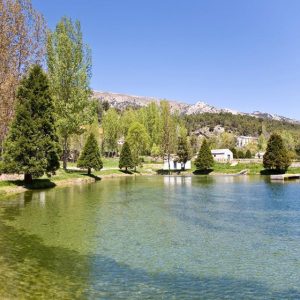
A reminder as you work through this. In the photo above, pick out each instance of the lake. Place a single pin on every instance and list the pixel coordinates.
(155, 237)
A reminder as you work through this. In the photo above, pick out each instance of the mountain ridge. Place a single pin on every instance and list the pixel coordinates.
(122, 101)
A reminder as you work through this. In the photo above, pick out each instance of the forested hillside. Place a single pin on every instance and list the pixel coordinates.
(239, 124)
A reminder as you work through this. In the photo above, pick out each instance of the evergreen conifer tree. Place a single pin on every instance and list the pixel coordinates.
(204, 159)
(234, 152)
(240, 154)
(276, 157)
(183, 152)
(31, 147)
(248, 154)
(90, 156)
(126, 160)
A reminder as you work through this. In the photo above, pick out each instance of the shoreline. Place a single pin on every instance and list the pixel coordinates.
(11, 190)
(7, 191)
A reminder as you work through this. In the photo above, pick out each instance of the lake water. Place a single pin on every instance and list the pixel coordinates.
(153, 238)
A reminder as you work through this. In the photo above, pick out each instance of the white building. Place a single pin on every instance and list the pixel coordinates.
(242, 141)
(176, 166)
(222, 154)
(260, 155)
(121, 141)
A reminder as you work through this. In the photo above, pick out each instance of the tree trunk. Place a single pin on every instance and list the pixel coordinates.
(2, 148)
(126, 169)
(169, 166)
(27, 178)
(65, 153)
(183, 166)
(89, 171)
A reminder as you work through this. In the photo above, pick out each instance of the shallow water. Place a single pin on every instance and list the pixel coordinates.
(153, 238)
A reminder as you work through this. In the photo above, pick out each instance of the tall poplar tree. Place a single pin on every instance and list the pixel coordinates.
(69, 67)
(168, 134)
(138, 140)
(31, 147)
(111, 130)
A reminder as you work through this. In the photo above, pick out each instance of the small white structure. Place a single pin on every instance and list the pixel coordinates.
(259, 155)
(176, 166)
(242, 141)
(121, 141)
(222, 154)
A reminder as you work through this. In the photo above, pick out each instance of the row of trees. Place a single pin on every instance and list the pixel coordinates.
(49, 111)
(240, 153)
(154, 119)
(276, 158)
(32, 145)
(41, 113)
(153, 129)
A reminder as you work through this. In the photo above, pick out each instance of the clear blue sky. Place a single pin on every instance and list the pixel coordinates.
(239, 54)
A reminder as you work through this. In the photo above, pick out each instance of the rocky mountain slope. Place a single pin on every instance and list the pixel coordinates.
(123, 101)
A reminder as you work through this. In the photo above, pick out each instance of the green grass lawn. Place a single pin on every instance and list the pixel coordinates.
(253, 168)
(6, 183)
(108, 162)
(293, 171)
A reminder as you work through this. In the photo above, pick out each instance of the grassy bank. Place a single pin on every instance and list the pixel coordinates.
(253, 169)
(221, 168)
(64, 178)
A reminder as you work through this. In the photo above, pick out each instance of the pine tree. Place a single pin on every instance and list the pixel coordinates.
(183, 152)
(234, 152)
(248, 154)
(111, 129)
(240, 154)
(31, 147)
(276, 157)
(90, 156)
(126, 160)
(204, 159)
